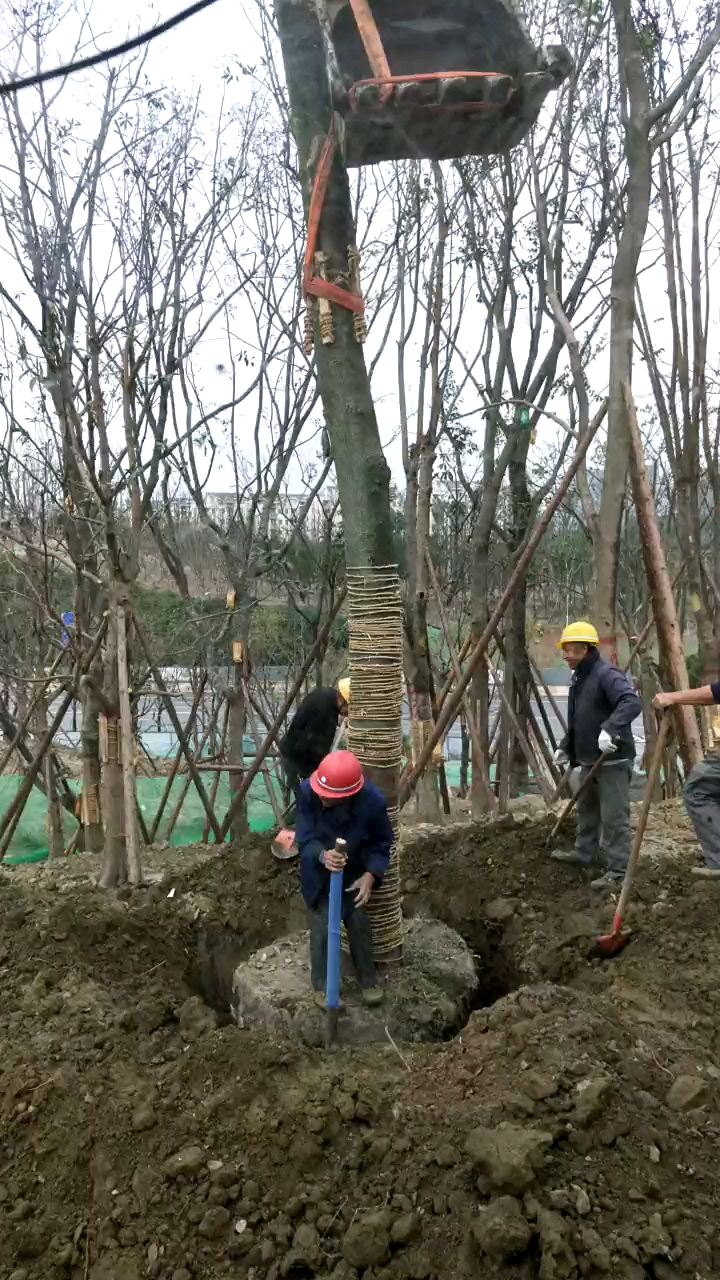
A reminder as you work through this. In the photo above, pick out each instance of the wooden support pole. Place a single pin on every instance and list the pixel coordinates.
(480, 648)
(178, 757)
(279, 720)
(132, 843)
(478, 754)
(175, 721)
(666, 619)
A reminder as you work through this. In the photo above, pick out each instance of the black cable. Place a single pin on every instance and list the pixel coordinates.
(104, 55)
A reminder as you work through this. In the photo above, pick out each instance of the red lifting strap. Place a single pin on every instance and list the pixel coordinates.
(313, 285)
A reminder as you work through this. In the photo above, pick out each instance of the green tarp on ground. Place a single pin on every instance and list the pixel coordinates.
(30, 841)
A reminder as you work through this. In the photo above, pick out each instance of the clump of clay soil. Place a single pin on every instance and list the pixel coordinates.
(570, 1129)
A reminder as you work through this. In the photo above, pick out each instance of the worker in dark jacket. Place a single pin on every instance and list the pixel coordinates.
(337, 801)
(602, 705)
(702, 789)
(311, 735)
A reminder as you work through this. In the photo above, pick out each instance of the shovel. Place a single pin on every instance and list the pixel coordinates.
(332, 981)
(606, 755)
(609, 944)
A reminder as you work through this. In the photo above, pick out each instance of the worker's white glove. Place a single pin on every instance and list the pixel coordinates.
(561, 757)
(605, 742)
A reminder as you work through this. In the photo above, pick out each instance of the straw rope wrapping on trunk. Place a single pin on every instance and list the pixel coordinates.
(375, 728)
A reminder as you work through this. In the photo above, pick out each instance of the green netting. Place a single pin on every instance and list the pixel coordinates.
(30, 841)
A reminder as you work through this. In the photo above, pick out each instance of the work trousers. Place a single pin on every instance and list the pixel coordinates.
(357, 925)
(603, 818)
(702, 801)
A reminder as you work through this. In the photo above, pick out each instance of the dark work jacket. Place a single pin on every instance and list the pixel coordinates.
(600, 697)
(362, 821)
(312, 731)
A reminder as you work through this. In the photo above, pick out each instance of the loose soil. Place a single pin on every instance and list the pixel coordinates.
(571, 1128)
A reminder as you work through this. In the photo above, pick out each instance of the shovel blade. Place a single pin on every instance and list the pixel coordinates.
(610, 944)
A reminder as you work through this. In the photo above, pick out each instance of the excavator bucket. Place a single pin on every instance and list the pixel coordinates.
(437, 79)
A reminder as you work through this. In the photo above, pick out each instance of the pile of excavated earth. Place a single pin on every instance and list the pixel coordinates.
(569, 1129)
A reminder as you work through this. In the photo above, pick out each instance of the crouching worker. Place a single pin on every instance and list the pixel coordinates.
(337, 801)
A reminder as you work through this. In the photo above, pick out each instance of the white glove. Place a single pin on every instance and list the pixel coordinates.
(561, 757)
(605, 742)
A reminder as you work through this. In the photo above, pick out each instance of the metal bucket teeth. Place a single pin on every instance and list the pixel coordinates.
(368, 97)
(453, 90)
(409, 93)
(495, 89)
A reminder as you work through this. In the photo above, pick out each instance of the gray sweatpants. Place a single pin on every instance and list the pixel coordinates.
(702, 801)
(603, 817)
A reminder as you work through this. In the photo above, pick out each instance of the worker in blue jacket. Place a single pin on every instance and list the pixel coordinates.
(602, 705)
(338, 801)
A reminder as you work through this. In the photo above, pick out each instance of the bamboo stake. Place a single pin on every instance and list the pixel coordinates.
(178, 757)
(175, 721)
(132, 844)
(280, 717)
(525, 747)
(550, 697)
(666, 619)
(266, 775)
(535, 693)
(14, 811)
(216, 779)
(187, 777)
(480, 648)
(649, 624)
(478, 752)
(20, 730)
(532, 721)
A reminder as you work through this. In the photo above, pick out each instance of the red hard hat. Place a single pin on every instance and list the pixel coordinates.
(338, 776)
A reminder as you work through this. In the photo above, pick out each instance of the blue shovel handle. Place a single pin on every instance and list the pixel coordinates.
(332, 978)
(332, 984)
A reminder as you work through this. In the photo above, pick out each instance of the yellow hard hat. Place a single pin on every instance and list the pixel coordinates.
(344, 689)
(579, 633)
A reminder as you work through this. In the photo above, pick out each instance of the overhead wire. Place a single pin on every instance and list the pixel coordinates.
(104, 55)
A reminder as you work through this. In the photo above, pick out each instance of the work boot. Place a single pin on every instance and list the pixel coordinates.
(570, 859)
(706, 873)
(606, 881)
(373, 996)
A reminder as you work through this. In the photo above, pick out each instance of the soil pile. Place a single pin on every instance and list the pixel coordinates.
(570, 1130)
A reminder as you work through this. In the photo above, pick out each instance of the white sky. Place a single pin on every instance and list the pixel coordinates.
(193, 55)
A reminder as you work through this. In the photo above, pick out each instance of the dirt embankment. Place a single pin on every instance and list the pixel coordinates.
(570, 1130)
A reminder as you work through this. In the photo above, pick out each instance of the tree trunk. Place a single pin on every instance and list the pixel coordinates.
(634, 87)
(363, 476)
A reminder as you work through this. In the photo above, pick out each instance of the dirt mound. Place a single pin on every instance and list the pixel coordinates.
(570, 1130)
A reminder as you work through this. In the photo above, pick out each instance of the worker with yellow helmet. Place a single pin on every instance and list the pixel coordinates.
(602, 705)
